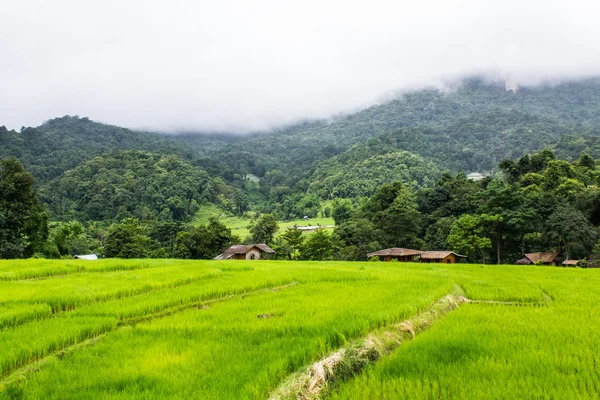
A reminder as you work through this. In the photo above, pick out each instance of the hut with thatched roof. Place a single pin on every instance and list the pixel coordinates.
(544, 258)
(396, 253)
(245, 252)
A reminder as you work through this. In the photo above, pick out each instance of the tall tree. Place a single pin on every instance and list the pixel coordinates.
(293, 237)
(319, 246)
(394, 213)
(499, 208)
(571, 232)
(467, 236)
(204, 242)
(23, 220)
(264, 229)
(127, 239)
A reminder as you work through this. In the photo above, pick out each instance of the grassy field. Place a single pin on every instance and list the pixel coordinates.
(228, 329)
(239, 225)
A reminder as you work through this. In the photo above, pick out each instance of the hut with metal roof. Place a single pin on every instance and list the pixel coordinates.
(396, 253)
(245, 252)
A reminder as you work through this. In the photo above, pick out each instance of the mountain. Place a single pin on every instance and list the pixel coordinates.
(63, 143)
(471, 127)
(131, 183)
(413, 138)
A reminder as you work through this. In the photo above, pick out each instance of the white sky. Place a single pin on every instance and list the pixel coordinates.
(231, 65)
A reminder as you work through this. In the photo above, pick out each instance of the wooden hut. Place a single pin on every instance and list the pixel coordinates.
(544, 258)
(446, 257)
(396, 253)
(245, 252)
(572, 263)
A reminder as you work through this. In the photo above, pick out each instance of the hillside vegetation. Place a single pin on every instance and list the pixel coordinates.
(400, 163)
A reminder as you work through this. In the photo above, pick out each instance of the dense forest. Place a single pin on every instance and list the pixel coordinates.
(400, 163)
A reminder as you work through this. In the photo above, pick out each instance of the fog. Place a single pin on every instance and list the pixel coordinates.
(240, 66)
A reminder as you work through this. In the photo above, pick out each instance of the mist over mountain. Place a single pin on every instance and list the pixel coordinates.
(238, 67)
(413, 138)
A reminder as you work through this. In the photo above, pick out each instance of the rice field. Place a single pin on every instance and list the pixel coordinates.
(240, 329)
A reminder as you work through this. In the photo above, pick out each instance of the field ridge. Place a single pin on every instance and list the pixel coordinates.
(346, 362)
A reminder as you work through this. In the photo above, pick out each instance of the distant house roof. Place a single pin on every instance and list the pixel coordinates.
(438, 255)
(571, 262)
(86, 257)
(395, 252)
(243, 249)
(546, 257)
(476, 176)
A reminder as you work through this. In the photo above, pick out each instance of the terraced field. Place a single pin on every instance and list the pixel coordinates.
(236, 330)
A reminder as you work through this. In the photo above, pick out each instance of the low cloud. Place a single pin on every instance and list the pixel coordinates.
(243, 66)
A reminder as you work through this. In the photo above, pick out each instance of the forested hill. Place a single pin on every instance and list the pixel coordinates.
(137, 184)
(471, 127)
(413, 139)
(63, 143)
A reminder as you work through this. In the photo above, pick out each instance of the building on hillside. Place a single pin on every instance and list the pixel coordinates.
(396, 253)
(476, 176)
(86, 257)
(572, 263)
(544, 258)
(245, 252)
(446, 257)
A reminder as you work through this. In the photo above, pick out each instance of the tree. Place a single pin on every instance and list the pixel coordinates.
(357, 237)
(23, 220)
(264, 229)
(394, 214)
(436, 236)
(571, 232)
(293, 237)
(69, 238)
(499, 208)
(342, 210)
(467, 237)
(127, 239)
(318, 246)
(204, 242)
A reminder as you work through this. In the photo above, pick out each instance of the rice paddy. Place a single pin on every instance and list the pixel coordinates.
(239, 330)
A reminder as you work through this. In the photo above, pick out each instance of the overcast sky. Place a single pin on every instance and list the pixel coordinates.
(245, 65)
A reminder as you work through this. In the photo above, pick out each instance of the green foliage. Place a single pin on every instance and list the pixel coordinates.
(571, 232)
(62, 144)
(294, 239)
(69, 239)
(23, 220)
(127, 239)
(318, 246)
(204, 242)
(264, 229)
(467, 237)
(130, 184)
(342, 210)
(394, 214)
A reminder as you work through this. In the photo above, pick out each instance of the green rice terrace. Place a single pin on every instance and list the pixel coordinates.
(274, 330)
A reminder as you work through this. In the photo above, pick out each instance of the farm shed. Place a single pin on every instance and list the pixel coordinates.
(544, 257)
(571, 263)
(396, 253)
(245, 252)
(446, 257)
